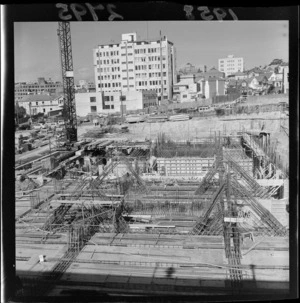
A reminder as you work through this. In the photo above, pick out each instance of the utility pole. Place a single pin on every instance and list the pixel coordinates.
(121, 97)
(282, 82)
(161, 73)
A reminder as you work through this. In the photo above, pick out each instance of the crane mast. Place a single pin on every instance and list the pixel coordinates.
(69, 109)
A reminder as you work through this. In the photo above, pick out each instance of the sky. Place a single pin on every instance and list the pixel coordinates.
(36, 47)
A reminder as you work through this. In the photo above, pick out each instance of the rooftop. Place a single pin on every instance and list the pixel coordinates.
(32, 98)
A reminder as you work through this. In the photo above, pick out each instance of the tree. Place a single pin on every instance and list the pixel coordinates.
(276, 62)
(271, 89)
(20, 111)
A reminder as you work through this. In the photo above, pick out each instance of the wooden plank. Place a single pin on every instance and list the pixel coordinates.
(85, 202)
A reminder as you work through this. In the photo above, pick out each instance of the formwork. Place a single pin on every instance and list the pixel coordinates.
(133, 225)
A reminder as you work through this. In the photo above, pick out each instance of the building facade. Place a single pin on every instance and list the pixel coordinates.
(42, 86)
(35, 104)
(231, 65)
(285, 76)
(133, 65)
(114, 102)
(186, 89)
(211, 87)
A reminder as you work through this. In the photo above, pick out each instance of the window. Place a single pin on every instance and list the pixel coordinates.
(92, 99)
(106, 98)
(111, 98)
(122, 98)
(37, 103)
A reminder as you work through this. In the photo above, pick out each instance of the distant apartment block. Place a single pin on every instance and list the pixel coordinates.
(114, 102)
(42, 86)
(231, 65)
(133, 65)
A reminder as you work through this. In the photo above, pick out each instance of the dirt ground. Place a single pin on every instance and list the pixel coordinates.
(201, 127)
(196, 127)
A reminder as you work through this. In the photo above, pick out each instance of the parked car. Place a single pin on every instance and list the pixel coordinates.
(204, 109)
(24, 126)
(52, 125)
(37, 126)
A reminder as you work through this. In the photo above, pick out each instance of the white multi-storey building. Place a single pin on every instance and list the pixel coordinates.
(135, 65)
(231, 65)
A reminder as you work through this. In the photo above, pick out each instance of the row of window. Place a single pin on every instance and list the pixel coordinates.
(157, 74)
(108, 98)
(129, 54)
(150, 66)
(156, 66)
(39, 103)
(112, 61)
(35, 90)
(239, 64)
(107, 77)
(140, 59)
(157, 82)
(108, 69)
(108, 106)
(107, 85)
(107, 54)
(156, 58)
(47, 86)
(140, 51)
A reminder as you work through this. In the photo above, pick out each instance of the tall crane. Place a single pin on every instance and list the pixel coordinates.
(69, 109)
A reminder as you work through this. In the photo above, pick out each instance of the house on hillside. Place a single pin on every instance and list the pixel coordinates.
(239, 75)
(230, 84)
(276, 79)
(254, 72)
(211, 87)
(186, 89)
(253, 85)
(213, 72)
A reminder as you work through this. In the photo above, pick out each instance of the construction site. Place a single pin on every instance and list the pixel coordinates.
(149, 212)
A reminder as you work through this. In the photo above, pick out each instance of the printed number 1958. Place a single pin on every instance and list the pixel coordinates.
(206, 14)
